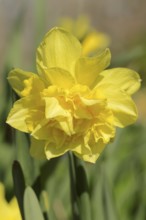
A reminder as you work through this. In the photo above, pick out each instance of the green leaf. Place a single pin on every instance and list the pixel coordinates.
(32, 208)
(30, 166)
(109, 201)
(19, 185)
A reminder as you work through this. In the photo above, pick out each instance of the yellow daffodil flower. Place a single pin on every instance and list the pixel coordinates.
(73, 103)
(92, 40)
(8, 210)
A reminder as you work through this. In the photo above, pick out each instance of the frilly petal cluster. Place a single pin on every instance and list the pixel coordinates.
(73, 103)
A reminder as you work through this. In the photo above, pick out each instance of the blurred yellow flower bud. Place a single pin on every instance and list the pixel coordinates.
(8, 210)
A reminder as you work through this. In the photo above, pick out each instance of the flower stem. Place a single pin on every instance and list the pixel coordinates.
(75, 212)
(79, 189)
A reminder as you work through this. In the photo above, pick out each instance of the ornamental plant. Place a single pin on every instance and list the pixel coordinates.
(72, 104)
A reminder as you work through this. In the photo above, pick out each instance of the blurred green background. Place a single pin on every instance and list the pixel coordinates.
(118, 179)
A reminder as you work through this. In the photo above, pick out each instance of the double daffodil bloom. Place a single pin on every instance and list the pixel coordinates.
(92, 40)
(72, 104)
(8, 210)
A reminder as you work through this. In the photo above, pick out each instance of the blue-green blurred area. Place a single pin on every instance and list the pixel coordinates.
(117, 182)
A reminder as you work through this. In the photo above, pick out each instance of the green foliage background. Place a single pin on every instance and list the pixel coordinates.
(117, 182)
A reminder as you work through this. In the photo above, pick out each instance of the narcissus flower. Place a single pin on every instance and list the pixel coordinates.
(8, 210)
(91, 39)
(72, 104)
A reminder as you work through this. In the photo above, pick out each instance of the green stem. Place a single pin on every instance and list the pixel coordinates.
(79, 189)
(82, 190)
(75, 212)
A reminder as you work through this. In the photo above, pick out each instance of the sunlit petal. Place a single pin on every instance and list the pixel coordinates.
(17, 116)
(88, 68)
(59, 77)
(16, 79)
(124, 79)
(59, 49)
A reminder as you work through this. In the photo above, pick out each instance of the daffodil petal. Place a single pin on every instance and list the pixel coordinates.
(122, 106)
(52, 150)
(16, 79)
(81, 149)
(26, 113)
(31, 85)
(95, 152)
(59, 77)
(124, 110)
(87, 109)
(54, 109)
(63, 118)
(105, 131)
(123, 78)
(58, 49)
(17, 116)
(41, 131)
(37, 148)
(88, 68)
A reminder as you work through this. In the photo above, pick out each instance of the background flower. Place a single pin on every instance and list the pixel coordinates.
(91, 39)
(8, 210)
